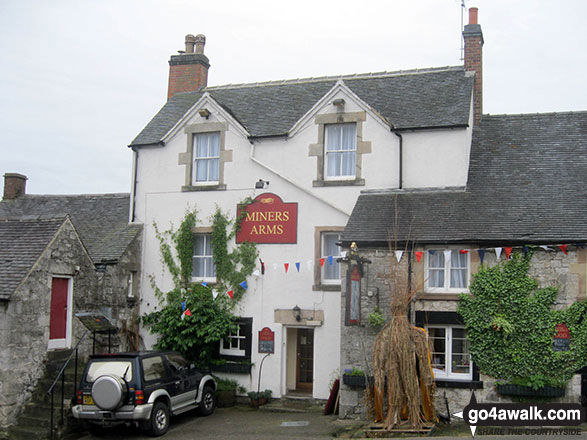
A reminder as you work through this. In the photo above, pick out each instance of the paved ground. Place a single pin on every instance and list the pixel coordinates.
(243, 422)
(240, 422)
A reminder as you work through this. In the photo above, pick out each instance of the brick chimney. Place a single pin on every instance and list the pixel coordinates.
(188, 71)
(14, 186)
(474, 60)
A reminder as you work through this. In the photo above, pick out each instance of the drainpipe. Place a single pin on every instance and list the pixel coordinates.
(290, 181)
(401, 157)
(133, 189)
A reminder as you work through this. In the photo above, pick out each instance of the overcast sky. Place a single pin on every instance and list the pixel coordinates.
(79, 79)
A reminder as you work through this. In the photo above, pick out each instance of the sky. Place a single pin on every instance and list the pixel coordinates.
(79, 79)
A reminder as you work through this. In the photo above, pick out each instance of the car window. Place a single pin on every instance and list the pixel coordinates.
(177, 362)
(153, 368)
(101, 367)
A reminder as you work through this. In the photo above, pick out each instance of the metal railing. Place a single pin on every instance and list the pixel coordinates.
(61, 376)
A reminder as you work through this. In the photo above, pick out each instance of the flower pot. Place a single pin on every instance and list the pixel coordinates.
(255, 403)
(225, 398)
(262, 401)
(524, 391)
(354, 381)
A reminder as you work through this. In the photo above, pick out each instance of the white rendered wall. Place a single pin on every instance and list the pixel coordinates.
(159, 199)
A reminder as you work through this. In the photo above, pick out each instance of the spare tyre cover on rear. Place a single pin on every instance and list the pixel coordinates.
(109, 392)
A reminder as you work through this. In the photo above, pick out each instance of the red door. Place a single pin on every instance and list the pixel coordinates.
(58, 323)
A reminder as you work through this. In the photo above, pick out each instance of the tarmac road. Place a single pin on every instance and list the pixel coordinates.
(239, 422)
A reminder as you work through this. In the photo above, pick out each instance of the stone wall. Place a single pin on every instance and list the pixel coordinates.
(549, 268)
(24, 319)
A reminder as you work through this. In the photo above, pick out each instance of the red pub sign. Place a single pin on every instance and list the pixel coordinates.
(269, 220)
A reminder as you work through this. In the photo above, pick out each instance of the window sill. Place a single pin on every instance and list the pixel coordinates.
(350, 182)
(212, 187)
(326, 287)
(426, 296)
(462, 384)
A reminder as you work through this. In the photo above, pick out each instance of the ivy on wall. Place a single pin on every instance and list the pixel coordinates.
(511, 324)
(211, 319)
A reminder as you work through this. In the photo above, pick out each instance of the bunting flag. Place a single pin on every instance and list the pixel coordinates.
(481, 253)
(330, 260)
(463, 251)
(244, 285)
(298, 266)
(563, 247)
(274, 266)
(262, 266)
(231, 294)
(525, 249)
(431, 251)
(498, 252)
(286, 265)
(398, 255)
(322, 262)
(508, 251)
(546, 248)
(214, 293)
(447, 255)
(205, 284)
(187, 312)
(310, 264)
(256, 273)
(183, 305)
(418, 255)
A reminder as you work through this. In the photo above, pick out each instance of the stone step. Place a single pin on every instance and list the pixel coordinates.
(28, 433)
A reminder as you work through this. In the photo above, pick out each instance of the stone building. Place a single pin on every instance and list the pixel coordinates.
(60, 256)
(525, 186)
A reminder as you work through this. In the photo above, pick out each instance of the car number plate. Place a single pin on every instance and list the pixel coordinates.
(88, 400)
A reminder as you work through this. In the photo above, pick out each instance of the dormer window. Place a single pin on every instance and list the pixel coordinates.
(340, 151)
(206, 158)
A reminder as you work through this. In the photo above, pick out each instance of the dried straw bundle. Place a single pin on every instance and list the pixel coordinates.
(401, 355)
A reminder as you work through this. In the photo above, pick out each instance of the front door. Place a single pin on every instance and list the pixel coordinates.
(59, 321)
(305, 359)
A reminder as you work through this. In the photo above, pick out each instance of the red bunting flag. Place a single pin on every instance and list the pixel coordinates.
(187, 312)
(231, 294)
(463, 251)
(418, 255)
(286, 265)
(563, 247)
(508, 251)
(322, 262)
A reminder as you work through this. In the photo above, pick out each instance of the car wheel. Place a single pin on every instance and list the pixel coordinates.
(208, 403)
(159, 419)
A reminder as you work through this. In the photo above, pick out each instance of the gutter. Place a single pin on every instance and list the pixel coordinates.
(292, 182)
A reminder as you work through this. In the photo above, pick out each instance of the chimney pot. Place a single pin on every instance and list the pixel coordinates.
(14, 186)
(473, 15)
(189, 43)
(200, 43)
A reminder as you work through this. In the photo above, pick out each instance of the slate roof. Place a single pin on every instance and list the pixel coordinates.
(101, 220)
(527, 183)
(22, 241)
(408, 99)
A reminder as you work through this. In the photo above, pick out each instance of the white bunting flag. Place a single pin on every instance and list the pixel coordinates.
(398, 255)
(498, 252)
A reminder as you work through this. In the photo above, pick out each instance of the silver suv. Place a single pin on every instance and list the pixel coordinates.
(141, 388)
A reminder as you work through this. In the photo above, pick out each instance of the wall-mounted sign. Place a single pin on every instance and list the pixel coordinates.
(562, 338)
(353, 297)
(266, 340)
(269, 220)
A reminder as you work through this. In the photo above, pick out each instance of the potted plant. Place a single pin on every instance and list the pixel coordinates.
(254, 396)
(226, 392)
(354, 378)
(267, 395)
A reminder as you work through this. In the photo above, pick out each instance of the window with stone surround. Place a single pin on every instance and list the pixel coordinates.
(205, 156)
(327, 275)
(339, 149)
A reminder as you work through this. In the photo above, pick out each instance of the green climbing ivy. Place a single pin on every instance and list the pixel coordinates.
(232, 267)
(511, 323)
(197, 336)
